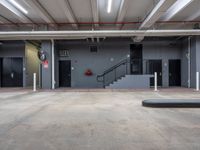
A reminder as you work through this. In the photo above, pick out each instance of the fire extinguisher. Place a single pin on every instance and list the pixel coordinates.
(88, 72)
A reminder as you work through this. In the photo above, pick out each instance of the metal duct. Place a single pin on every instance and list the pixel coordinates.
(48, 35)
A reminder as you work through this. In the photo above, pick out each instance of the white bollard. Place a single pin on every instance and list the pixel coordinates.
(34, 82)
(155, 82)
(197, 81)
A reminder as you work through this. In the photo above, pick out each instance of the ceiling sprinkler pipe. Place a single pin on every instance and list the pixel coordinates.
(100, 23)
(46, 35)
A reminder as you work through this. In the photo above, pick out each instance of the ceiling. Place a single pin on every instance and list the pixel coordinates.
(93, 15)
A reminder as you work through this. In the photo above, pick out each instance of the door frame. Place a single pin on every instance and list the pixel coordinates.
(169, 71)
(161, 62)
(59, 73)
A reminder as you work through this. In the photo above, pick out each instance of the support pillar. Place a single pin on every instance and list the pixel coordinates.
(46, 70)
(195, 61)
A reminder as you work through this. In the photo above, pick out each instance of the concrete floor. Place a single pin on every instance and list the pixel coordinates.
(96, 120)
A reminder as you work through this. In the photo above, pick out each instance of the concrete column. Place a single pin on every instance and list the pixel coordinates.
(46, 72)
(195, 61)
(198, 54)
(165, 73)
(53, 65)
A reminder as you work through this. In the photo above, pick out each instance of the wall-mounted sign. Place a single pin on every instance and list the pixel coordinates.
(45, 64)
(64, 53)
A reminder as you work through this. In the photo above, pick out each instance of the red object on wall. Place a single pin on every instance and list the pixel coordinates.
(46, 64)
(88, 72)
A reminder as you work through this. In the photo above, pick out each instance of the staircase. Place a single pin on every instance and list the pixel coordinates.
(131, 82)
(118, 77)
(114, 73)
(120, 83)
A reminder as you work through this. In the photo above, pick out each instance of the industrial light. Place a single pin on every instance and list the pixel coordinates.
(109, 6)
(18, 6)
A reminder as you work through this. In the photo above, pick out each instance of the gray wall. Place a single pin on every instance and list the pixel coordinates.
(184, 63)
(162, 50)
(193, 61)
(109, 54)
(118, 49)
(14, 49)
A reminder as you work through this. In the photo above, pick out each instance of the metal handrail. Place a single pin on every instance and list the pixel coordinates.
(111, 69)
(144, 70)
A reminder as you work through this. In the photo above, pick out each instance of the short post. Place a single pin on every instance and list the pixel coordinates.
(155, 82)
(34, 82)
(197, 81)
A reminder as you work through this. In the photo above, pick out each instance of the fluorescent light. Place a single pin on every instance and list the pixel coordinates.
(18, 6)
(109, 6)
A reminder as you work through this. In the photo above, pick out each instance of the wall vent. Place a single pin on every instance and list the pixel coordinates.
(93, 49)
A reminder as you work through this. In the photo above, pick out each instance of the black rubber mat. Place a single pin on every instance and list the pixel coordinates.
(172, 103)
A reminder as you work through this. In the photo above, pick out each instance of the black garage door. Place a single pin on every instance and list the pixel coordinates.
(11, 72)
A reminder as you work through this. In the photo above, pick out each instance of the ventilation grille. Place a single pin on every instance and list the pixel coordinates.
(93, 49)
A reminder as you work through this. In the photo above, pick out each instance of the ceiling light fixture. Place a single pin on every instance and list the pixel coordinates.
(18, 6)
(109, 6)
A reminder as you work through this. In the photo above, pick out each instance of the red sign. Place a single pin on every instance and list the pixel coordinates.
(46, 64)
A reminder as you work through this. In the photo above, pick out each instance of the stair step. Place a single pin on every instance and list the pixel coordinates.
(115, 82)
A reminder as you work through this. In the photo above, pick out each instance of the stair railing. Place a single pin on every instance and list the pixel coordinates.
(102, 77)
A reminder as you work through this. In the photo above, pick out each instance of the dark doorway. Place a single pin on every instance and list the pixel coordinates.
(65, 73)
(12, 72)
(155, 66)
(136, 61)
(174, 72)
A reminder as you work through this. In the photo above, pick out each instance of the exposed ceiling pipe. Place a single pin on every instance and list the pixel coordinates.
(101, 23)
(46, 35)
